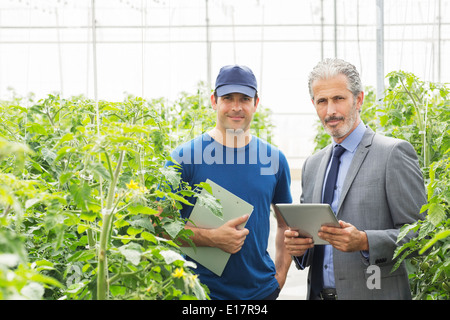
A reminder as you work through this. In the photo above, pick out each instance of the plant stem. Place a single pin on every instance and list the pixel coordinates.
(421, 123)
(91, 239)
(102, 281)
(6, 210)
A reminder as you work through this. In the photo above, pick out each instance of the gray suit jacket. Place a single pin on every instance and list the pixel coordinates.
(383, 190)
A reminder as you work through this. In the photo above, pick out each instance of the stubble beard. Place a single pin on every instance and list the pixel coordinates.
(341, 130)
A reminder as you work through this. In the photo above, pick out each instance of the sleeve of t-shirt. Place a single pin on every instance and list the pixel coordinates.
(283, 187)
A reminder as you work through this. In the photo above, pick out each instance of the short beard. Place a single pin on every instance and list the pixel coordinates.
(347, 126)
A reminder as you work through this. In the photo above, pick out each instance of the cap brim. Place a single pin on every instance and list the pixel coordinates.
(235, 88)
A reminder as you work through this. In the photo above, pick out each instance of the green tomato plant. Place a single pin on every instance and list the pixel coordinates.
(19, 278)
(89, 209)
(92, 221)
(419, 112)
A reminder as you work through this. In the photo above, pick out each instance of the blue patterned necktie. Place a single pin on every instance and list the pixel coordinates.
(330, 184)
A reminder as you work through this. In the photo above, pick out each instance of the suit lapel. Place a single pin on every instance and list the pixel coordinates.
(320, 176)
(358, 159)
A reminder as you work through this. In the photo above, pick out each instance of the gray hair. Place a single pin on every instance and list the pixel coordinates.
(329, 68)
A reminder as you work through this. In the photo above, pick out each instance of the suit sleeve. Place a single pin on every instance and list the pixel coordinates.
(302, 262)
(405, 194)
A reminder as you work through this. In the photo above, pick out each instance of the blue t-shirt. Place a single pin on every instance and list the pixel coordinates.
(257, 173)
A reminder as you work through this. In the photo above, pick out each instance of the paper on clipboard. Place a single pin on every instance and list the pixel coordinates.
(212, 258)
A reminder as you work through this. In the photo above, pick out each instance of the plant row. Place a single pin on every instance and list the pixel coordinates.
(87, 208)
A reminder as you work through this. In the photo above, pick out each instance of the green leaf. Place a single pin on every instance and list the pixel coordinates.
(142, 209)
(117, 290)
(82, 228)
(100, 170)
(383, 120)
(81, 194)
(436, 213)
(88, 216)
(399, 261)
(149, 237)
(65, 138)
(132, 231)
(210, 202)
(130, 254)
(31, 202)
(206, 186)
(172, 176)
(36, 128)
(171, 256)
(179, 198)
(404, 230)
(48, 155)
(143, 223)
(65, 177)
(63, 151)
(393, 81)
(47, 280)
(44, 263)
(120, 223)
(173, 228)
(426, 228)
(82, 255)
(439, 236)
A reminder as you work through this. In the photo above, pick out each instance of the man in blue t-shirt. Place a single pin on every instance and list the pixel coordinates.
(253, 170)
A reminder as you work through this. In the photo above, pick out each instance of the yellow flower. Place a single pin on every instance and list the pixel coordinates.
(179, 273)
(132, 185)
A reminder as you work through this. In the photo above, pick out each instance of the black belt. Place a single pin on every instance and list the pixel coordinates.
(328, 294)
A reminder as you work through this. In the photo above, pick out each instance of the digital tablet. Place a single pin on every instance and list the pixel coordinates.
(307, 218)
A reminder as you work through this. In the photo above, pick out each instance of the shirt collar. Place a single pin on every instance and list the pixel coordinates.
(352, 141)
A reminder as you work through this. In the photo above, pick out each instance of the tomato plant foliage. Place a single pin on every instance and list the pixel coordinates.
(88, 210)
(419, 112)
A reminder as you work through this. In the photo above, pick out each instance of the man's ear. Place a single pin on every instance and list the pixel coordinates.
(213, 102)
(359, 101)
(256, 103)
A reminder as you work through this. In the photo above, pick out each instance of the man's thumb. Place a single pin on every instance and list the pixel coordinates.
(238, 221)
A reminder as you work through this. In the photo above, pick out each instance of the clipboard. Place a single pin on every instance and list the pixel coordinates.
(307, 218)
(212, 258)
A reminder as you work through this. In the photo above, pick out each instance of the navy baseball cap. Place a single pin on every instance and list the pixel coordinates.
(236, 78)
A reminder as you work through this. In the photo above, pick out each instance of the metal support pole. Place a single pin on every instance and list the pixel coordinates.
(380, 50)
(143, 36)
(335, 29)
(58, 35)
(262, 47)
(322, 20)
(94, 56)
(208, 49)
(439, 41)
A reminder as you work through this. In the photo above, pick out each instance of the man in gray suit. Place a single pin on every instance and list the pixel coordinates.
(379, 188)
